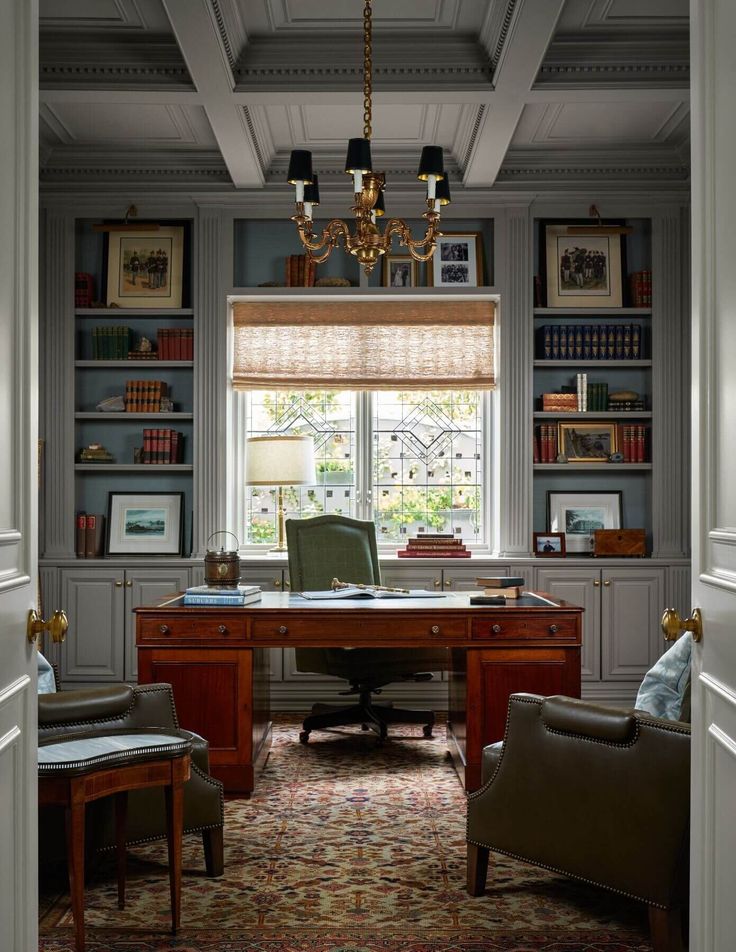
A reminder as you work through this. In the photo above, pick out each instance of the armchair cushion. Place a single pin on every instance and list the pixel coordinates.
(665, 690)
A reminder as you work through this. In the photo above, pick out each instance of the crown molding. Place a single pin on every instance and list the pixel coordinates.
(231, 29)
(148, 169)
(101, 61)
(614, 166)
(496, 28)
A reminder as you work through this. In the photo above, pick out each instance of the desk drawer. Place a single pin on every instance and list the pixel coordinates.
(372, 630)
(514, 629)
(163, 630)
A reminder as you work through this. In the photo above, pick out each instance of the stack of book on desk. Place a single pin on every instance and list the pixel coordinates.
(501, 586)
(434, 545)
(227, 597)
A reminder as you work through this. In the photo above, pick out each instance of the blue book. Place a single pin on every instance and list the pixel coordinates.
(226, 601)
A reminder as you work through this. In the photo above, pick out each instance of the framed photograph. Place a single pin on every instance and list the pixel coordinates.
(144, 269)
(399, 271)
(582, 270)
(457, 261)
(587, 442)
(549, 544)
(579, 514)
(145, 523)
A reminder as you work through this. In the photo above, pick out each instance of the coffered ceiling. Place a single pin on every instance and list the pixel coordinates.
(215, 93)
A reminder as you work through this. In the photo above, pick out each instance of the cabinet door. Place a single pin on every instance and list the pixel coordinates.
(581, 586)
(145, 587)
(425, 577)
(94, 601)
(632, 602)
(463, 578)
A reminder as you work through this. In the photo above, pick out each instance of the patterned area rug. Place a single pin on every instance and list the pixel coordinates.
(346, 847)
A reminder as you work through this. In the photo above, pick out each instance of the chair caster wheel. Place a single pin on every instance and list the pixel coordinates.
(427, 730)
(303, 737)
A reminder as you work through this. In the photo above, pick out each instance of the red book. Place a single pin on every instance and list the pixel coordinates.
(535, 446)
(90, 537)
(146, 445)
(640, 443)
(81, 531)
(166, 446)
(190, 344)
(174, 454)
(413, 554)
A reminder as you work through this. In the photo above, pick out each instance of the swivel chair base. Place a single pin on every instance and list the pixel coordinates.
(371, 716)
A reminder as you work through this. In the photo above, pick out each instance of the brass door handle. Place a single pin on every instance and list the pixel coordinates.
(672, 624)
(57, 626)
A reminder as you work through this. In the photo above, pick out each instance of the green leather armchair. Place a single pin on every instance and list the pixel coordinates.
(120, 706)
(333, 546)
(596, 793)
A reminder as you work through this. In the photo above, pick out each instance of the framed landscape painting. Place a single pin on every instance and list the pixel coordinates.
(144, 269)
(582, 270)
(457, 261)
(587, 442)
(579, 514)
(145, 523)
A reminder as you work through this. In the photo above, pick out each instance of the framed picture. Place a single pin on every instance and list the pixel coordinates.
(582, 270)
(145, 523)
(587, 442)
(399, 271)
(457, 261)
(144, 269)
(549, 544)
(579, 514)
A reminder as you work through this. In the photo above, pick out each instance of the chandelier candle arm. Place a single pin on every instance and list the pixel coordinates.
(367, 244)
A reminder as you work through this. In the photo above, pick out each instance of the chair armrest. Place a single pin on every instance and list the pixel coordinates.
(153, 706)
(73, 707)
(570, 716)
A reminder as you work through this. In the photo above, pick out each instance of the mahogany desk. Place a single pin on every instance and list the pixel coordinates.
(215, 658)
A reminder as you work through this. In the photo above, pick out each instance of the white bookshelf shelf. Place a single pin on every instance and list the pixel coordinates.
(594, 415)
(609, 364)
(99, 415)
(132, 467)
(595, 467)
(137, 364)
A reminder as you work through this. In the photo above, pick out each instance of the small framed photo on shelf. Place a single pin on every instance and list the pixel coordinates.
(582, 270)
(457, 261)
(399, 271)
(587, 442)
(549, 544)
(144, 269)
(145, 523)
(579, 514)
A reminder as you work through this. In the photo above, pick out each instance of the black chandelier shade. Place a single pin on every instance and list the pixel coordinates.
(432, 162)
(442, 193)
(358, 158)
(311, 192)
(300, 167)
(380, 207)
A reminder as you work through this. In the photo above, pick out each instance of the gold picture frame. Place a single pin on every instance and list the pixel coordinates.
(144, 268)
(401, 269)
(457, 261)
(587, 442)
(582, 270)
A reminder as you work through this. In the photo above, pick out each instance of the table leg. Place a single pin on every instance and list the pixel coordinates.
(173, 794)
(75, 859)
(121, 817)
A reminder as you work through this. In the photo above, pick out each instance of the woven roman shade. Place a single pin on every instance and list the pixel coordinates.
(363, 345)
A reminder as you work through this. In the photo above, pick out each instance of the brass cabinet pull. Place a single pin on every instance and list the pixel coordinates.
(607, 582)
(223, 629)
(448, 583)
(553, 629)
(435, 629)
(672, 624)
(129, 584)
(596, 583)
(118, 584)
(283, 630)
(277, 583)
(436, 583)
(164, 629)
(496, 629)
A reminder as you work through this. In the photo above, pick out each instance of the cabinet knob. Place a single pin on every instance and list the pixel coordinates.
(596, 583)
(436, 583)
(164, 629)
(277, 583)
(287, 583)
(283, 630)
(553, 629)
(496, 629)
(435, 629)
(607, 582)
(223, 629)
(448, 583)
(129, 584)
(118, 584)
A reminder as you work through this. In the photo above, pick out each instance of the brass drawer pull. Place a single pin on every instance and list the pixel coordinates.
(277, 583)
(283, 630)
(435, 629)
(553, 629)
(223, 629)
(496, 629)
(164, 629)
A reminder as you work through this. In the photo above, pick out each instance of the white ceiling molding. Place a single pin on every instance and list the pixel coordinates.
(91, 14)
(563, 125)
(634, 14)
(495, 29)
(134, 125)
(331, 15)
(603, 60)
(232, 31)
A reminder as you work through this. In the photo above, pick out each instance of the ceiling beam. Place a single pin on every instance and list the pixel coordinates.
(529, 36)
(200, 41)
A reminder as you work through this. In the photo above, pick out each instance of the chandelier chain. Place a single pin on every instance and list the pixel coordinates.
(367, 69)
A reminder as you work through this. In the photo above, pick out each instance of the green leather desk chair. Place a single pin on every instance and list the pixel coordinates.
(328, 547)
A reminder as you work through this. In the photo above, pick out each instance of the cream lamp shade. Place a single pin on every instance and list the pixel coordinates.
(279, 461)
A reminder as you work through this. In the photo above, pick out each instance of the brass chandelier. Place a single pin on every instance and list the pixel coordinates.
(367, 244)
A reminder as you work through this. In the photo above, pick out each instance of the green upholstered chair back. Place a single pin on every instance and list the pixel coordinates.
(328, 547)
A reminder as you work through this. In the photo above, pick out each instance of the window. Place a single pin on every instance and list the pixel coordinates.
(410, 460)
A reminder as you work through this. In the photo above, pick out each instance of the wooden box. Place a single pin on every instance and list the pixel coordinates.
(620, 542)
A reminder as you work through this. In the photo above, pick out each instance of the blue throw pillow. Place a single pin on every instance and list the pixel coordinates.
(665, 690)
(46, 680)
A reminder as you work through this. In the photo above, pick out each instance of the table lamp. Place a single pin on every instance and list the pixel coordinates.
(280, 461)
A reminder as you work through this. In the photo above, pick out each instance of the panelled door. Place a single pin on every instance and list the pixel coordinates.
(18, 472)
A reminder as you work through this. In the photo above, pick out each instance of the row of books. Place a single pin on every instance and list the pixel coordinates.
(633, 442)
(162, 446)
(111, 342)
(175, 343)
(640, 286)
(596, 400)
(300, 271)
(501, 586)
(590, 342)
(144, 396)
(434, 545)
(90, 535)
(234, 597)
(632, 439)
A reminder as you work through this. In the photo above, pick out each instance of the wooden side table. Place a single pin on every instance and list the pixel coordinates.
(83, 767)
